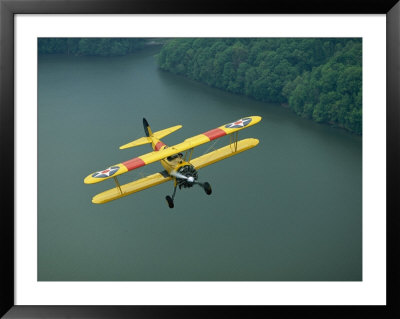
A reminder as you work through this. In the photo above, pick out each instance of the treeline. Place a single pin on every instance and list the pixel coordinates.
(318, 78)
(90, 46)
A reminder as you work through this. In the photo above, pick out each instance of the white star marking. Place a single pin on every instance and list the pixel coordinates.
(239, 122)
(106, 172)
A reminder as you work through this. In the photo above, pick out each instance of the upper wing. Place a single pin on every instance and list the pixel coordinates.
(189, 143)
(228, 128)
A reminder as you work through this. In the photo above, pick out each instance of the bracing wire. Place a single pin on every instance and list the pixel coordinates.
(211, 147)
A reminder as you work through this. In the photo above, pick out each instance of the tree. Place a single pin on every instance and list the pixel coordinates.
(319, 78)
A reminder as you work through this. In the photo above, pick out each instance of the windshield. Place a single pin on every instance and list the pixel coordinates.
(172, 157)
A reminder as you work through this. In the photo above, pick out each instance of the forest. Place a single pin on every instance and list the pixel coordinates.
(90, 46)
(318, 78)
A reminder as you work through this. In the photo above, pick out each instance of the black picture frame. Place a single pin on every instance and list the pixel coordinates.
(8, 8)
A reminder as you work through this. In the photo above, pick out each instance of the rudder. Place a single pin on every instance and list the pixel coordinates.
(147, 129)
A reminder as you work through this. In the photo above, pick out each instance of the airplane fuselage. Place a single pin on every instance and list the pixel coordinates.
(171, 163)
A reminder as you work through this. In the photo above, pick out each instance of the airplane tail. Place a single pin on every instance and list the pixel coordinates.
(150, 136)
(147, 129)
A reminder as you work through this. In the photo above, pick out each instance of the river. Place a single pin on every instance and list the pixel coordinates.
(288, 210)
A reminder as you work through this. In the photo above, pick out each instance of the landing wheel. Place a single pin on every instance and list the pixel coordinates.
(170, 201)
(207, 188)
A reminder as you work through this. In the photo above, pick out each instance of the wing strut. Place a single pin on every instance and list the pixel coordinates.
(233, 139)
(117, 183)
(190, 154)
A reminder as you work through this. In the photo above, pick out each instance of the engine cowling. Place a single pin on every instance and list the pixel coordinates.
(191, 175)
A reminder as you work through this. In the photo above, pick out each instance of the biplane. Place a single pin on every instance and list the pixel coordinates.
(179, 167)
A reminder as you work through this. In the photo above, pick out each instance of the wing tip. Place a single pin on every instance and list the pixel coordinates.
(256, 118)
(88, 179)
(96, 201)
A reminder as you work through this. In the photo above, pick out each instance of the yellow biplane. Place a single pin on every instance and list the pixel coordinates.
(182, 169)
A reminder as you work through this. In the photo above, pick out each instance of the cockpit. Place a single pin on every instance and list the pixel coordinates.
(174, 157)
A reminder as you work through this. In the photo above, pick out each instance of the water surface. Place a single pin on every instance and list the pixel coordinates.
(287, 210)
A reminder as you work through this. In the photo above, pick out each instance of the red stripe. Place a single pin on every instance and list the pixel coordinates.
(134, 163)
(215, 133)
(159, 145)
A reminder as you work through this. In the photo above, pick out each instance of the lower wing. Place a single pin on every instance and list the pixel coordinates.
(162, 177)
(224, 152)
(132, 187)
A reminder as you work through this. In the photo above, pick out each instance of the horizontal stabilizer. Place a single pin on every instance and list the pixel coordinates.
(167, 131)
(147, 140)
(140, 141)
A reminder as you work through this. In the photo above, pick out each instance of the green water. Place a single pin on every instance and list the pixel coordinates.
(288, 210)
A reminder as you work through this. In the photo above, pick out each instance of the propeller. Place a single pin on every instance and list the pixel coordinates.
(190, 179)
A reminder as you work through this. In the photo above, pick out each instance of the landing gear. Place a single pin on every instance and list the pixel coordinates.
(190, 182)
(170, 201)
(207, 188)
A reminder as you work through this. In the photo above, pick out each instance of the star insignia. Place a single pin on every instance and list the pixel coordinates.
(239, 123)
(106, 173)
